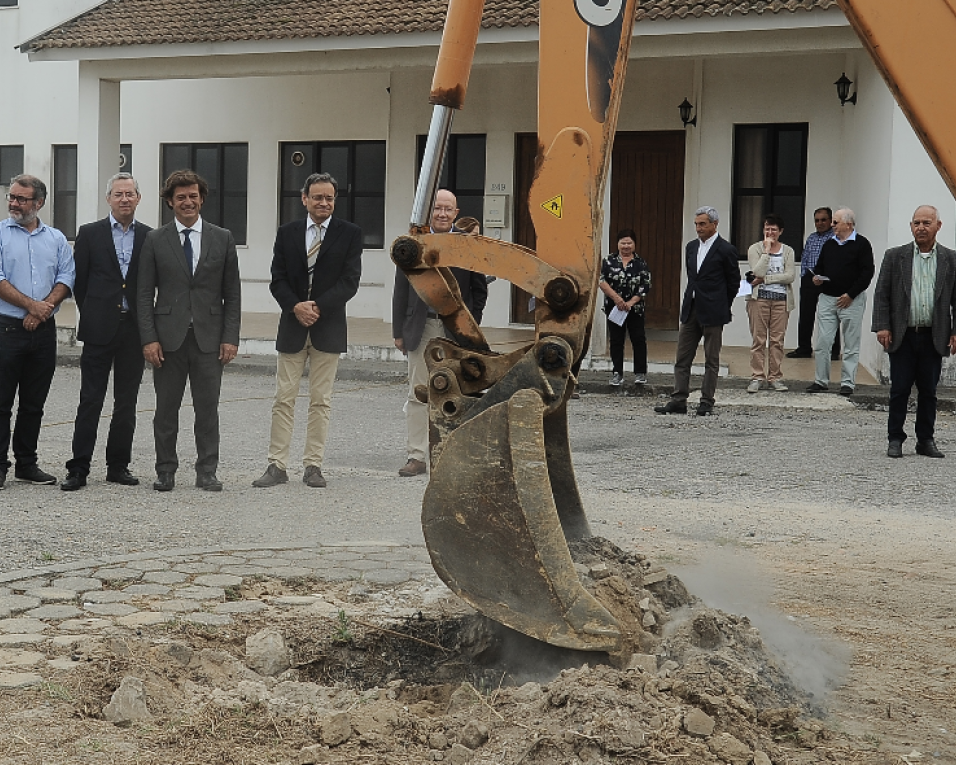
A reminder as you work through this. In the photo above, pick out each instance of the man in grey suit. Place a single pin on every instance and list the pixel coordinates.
(188, 298)
(913, 311)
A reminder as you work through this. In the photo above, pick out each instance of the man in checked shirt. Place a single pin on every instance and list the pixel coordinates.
(809, 292)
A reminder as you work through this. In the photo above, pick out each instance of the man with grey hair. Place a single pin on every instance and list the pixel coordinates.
(316, 266)
(713, 280)
(843, 273)
(107, 261)
(36, 275)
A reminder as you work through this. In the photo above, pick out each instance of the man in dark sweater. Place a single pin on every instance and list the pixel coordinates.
(843, 272)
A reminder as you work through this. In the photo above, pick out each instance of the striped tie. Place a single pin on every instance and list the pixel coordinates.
(313, 253)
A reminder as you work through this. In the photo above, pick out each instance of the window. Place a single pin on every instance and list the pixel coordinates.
(225, 167)
(770, 175)
(359, 170)
(463, 173)
(8, 4)
(64, 190)
(11, 163)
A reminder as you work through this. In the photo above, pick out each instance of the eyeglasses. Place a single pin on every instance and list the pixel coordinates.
(18, 199)
(444, 209)
(124, 194)
(322, 198)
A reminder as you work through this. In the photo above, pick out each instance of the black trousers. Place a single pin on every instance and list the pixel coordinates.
(124, 355)
(634, 327)
(27, 364)
(809, 295)
(916, 361)
(204, 373)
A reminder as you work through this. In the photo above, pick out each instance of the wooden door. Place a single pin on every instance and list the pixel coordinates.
(647, 194)
(526, 149)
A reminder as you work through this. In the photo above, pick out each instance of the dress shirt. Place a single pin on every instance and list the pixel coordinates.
(195, 238)
(811, 250)
(924, 287)
(850, 238)
(34, 262)
(704, 249)
(312, 230)
(123, 242)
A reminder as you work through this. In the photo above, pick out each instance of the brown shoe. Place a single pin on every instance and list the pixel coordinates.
(272, 477)
(413, 468)
(313, 477)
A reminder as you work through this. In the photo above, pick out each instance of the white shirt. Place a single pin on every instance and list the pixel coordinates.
(195, 238)
(312, 230)
(703, 250)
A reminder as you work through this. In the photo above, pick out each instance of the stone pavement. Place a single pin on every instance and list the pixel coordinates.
(45, 612)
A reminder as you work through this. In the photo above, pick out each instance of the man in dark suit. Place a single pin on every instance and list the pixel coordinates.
(913, 313)
(713, 280)
(414, 324)
(189, 311)
(316, 266)
(107, 259)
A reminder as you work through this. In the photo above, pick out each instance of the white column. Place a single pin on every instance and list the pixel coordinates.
(98, 142)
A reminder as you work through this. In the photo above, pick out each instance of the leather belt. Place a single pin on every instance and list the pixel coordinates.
(919, 329)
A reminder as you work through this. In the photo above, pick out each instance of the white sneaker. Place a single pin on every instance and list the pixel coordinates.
(754, 386)
(779, 386)
(640, 379)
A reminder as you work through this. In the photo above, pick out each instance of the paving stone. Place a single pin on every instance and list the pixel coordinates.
(306, 552)
(4, 591)
(207, 619)
(119, 574)
(110, 609)
(197, 568)
(176, 606)
(105, 596)
(156, 564)
(69, 641)
(22, 625)
(387, 576)
(17, 604)
(289, 572)
(201, 593)
(244, 570)
(15, 657)
(90, 624)
(270, 562)
(11, 680)
(54, 612)
(218, 580)
(145, 619)
(224, 560)
(29, 584)
(295, 600)
(343, 556)
(78, 583)
(369, 565)
(164, 577)
(64, 663)
(18, 640)
(240, 607)
(52, 594)
(147, 589)
(4, 612)
(340, 574)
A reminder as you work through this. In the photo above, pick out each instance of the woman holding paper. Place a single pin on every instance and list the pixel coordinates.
(769, 307)
(625, 282)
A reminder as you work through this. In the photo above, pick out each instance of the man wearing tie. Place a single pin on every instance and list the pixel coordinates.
(316, 266)
(189, 311)
(107, 259)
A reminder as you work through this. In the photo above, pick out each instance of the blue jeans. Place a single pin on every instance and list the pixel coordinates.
(915, 361)
(27, 364)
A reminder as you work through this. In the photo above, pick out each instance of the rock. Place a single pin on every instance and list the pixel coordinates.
(649, 620)
(474, 734)
(465, 697)
(438, 741)
(15, 657)
(698, 723)
(459, 755)
(599, 571)
(624, 736)
(267, 653)
(309, 755)
(336, 728)
(644, 661)
(707, 633)
(12, 680)
(16, 604)
(728, 749)
(645, 604)
(760, 758)
(128, 703)
(55, 613)
(653, 577)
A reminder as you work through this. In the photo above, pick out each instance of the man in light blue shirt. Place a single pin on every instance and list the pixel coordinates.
(36, 275)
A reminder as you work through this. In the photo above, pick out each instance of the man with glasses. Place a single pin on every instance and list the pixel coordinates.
(414, 324)
(107, 260)
(36, 275)
(316, 266)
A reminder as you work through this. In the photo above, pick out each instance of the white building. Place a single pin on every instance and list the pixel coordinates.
(256, 95)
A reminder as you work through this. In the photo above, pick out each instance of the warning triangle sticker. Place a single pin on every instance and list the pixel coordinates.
(555, 206)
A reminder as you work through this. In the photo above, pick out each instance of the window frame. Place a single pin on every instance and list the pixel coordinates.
(64, 199)
(471, 200)
(5, 172)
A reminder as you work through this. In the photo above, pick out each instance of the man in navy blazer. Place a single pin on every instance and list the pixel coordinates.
(713, 280)
(107, 260)
(316, 266)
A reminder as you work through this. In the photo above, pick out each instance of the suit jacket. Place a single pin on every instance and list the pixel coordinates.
(337, 272)
(891, 301)
(711, 291)
(100, 286)
(169, 297)
(409, 311)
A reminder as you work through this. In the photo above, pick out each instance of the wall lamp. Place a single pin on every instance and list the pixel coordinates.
(843, 90)
(685, 110)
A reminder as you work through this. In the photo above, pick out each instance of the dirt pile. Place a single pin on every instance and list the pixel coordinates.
(376, 676)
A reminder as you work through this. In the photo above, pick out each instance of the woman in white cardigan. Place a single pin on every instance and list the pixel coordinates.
(769, 307)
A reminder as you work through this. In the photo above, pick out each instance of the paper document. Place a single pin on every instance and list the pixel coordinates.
(745, 289)
(821, 277)
(618, 316)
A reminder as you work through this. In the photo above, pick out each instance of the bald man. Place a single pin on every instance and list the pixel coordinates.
(913, 312)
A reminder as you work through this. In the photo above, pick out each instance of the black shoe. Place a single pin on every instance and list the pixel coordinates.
(671, 407)
(164, 482)
(800, 353)
(817, 388)
(33, 474)
(704, 409)
(3, 478)
(928, 449)
(208, 482)
(895, 449)
(73, 482)
(846, 390)
(121, 476)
